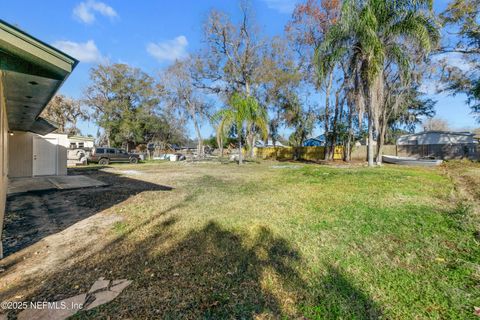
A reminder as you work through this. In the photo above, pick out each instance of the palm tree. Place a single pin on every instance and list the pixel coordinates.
(243, 112)
(370, 34)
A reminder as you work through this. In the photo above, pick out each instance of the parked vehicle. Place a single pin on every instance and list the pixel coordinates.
(105, 155)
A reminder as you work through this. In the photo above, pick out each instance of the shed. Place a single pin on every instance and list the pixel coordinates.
(31, 154)
(437, 137)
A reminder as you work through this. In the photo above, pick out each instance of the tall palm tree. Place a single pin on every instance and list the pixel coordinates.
(243, 112)
(371, 33)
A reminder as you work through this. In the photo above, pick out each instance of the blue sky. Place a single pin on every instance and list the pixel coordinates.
(150, 34)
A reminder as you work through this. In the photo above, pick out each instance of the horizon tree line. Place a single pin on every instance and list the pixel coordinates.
(354, 67)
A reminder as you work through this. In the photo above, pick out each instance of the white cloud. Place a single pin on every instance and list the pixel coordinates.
(85, 11)
(282, 6)
(85, 52)
(169, 50)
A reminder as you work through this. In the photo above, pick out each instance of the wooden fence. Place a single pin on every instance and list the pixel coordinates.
(359, 153)
(298, 153)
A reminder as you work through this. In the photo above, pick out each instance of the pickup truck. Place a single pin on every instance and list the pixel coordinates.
(106, 155)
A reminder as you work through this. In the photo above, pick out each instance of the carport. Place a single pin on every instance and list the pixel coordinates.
(31, 72)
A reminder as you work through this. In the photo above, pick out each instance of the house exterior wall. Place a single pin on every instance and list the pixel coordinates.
(441, 151)
(435, 138)
(20, 150)
(3, 158)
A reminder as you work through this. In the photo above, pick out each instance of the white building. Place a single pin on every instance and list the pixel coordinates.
(437, 137)
(31, 154)
(80, 142)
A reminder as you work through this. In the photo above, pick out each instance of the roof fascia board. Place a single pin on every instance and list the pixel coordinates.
(25, 45)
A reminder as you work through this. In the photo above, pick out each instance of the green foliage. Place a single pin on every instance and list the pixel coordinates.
(302, 121)
(462, 18)
(242, 110)
(371, 31)
(211, 142)
(65, 112)
(375, 39)
(411, 110)
(125, 104)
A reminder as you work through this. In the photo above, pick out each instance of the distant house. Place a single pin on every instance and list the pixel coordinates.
(437, 137)
(364, 142)
(315, 142)
(78, 148)
(80, 142)
(439, 144)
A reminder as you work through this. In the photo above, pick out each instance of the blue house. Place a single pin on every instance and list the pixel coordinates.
(315, 142)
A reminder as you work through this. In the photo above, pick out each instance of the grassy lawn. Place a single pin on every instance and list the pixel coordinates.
(270, 240)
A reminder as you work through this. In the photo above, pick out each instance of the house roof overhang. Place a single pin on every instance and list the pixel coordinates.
(31, 73)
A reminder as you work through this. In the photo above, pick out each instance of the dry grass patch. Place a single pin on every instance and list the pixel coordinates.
(262, 242)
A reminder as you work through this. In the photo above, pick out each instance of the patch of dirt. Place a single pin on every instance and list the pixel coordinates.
(53, 251)
(49, 230)
(466, 176)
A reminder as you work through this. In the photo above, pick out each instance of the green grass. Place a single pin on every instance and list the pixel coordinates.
(314, 241)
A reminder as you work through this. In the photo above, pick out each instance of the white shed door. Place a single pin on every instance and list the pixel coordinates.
(44, 156)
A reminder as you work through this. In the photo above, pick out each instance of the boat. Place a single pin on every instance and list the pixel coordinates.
(410, 161)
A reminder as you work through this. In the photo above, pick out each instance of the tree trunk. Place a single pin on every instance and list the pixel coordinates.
(199, 136)
(250, 140)
(107, 134)
(381, 137)
(250, 128)
(370, 112)
(370, 141)
(348, 147)
(220, 145)
(375, 102)
(240, 160)
(252, 147)
(328, 88)
(380, 143)
(333, 142)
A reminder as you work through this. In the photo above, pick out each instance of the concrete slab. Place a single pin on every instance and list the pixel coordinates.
(75, 182)
(23, 185)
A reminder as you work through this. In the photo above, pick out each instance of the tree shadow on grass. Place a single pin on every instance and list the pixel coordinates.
(211, 273)
(340, 299)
